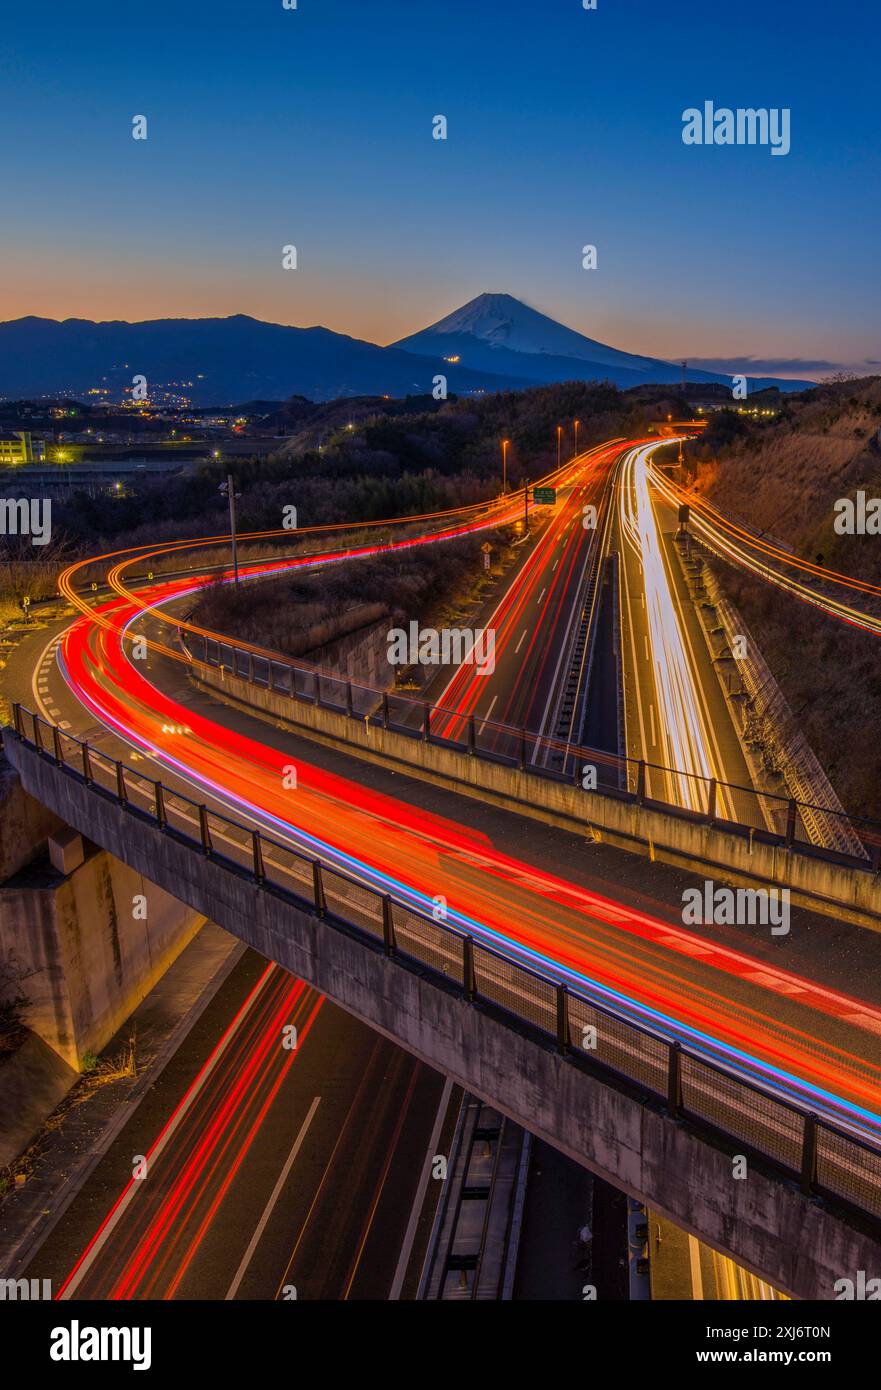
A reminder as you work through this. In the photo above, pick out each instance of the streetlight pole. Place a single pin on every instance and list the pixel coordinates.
(505, 443)
(229, 488)
(559, 443)
(577, 423)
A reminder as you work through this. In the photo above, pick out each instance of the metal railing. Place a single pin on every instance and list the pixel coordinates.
(554, 759)
(717, 1102)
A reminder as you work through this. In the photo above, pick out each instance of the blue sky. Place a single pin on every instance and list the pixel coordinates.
(313, 127)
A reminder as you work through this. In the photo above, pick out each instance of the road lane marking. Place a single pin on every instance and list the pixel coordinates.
(419, 1198)
(273, 1198)
(522, 640)
(38, 700)
(652, 718)
(488, 713)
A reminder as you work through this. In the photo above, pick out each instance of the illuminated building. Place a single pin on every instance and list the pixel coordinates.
(19, 449)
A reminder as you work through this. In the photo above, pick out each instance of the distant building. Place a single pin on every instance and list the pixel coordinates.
(19, 449)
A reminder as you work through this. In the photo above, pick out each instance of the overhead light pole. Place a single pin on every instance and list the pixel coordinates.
(577, 423)
(559, 443)
(505, 443)
(229, 489)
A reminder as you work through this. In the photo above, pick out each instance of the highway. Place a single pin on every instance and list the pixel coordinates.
(270, 1172)
(548, 921)
(752, 1009)
(214, 1148)
(677, 719)
(534, 620)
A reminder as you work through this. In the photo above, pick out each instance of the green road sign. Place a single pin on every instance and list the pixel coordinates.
(544, 496)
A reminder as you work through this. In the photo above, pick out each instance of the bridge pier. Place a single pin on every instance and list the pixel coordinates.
(83, 937)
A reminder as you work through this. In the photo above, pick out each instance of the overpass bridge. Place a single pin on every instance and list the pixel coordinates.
(645, 1109)
(544, 777)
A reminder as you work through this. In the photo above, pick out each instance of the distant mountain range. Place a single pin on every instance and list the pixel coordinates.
(493, 343)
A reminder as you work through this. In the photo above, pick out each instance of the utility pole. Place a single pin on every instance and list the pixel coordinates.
(229, 488)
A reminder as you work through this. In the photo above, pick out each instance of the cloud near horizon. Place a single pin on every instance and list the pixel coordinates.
(765, 366)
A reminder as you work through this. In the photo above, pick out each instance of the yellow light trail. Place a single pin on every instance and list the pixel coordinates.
(740, 547)
(683, 729)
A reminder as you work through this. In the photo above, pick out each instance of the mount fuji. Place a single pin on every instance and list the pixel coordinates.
(498, 333)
